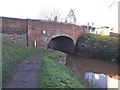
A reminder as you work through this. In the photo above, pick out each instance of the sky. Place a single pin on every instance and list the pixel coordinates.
(96, 11)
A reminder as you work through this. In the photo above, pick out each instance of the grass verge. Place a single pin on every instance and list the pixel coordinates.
(12, 54)
(55, 75)
(52, 74)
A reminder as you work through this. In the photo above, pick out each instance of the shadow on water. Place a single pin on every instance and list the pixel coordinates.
(82, 65)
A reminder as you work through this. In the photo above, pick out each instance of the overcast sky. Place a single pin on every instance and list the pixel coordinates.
(96, 11)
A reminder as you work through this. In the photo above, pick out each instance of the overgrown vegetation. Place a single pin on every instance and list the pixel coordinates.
(55, 75)
(97, 46)
(12, 55)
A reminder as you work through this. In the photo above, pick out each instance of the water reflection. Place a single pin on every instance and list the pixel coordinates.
(82, 65)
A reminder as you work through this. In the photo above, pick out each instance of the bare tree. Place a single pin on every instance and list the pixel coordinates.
(71, 16)
(50, 14)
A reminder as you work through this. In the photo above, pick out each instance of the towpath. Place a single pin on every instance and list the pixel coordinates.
(27, 75)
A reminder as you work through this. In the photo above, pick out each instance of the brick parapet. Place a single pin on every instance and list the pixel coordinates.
(33, 30)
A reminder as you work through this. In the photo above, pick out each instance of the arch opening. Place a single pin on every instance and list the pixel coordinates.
(62, 43)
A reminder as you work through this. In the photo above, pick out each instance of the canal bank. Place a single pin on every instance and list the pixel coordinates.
(96, 58)
(81, 65)
(51, 74)
(95, 71)
(99, 47)
(54, 74)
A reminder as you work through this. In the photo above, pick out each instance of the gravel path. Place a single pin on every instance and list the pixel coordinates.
(27, 75)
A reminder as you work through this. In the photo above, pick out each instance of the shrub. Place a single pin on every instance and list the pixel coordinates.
(97, 46)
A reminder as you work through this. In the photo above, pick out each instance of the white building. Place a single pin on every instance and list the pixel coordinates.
(103, 30)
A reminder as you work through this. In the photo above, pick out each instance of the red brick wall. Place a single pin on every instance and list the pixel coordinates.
(33, 30)
(52, 29)
(52, 25)
(14, 30)
(14, 25)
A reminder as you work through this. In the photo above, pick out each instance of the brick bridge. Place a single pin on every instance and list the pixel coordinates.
(41, 33)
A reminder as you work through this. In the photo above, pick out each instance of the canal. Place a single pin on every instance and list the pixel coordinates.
(82, 65)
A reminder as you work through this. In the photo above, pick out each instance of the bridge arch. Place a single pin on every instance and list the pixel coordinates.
(58, 35)
(61, 43)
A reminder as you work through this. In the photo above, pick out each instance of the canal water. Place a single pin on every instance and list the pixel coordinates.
(82, 65)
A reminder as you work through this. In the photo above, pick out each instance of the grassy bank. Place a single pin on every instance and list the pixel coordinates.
(52, 74)
(97, 46)
(55, 75)
(12, 55)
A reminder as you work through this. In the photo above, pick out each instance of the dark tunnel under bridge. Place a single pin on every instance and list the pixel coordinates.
(62, 43)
